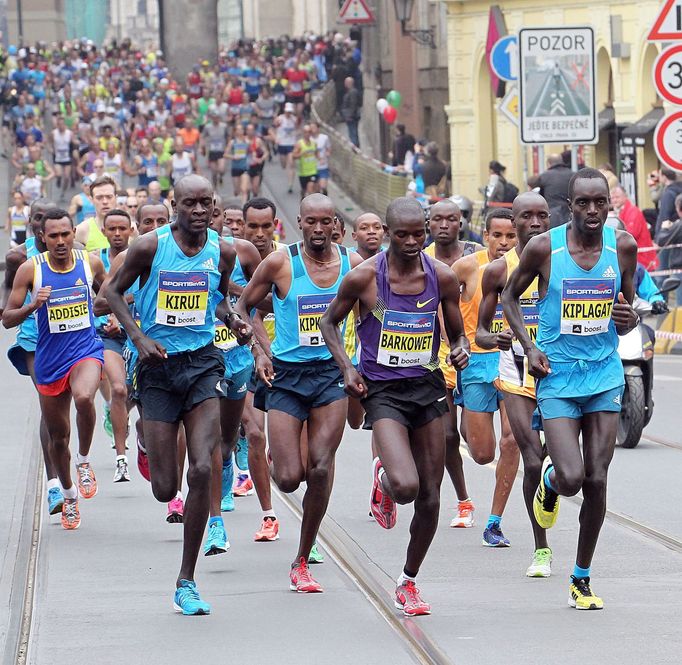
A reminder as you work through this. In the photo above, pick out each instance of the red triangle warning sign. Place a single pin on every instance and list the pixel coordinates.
(356, 11)
(668, 23)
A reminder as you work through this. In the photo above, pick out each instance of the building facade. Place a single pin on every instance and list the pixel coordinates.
(627, 102)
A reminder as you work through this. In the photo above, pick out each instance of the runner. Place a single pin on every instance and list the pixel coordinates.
(585, 276)
(305, 156)
(118, 231)
(238, 369)
(258, 153)
(22, 353)
(237, 152)
(480, 395)
(400, 383)
(234, 219)
(68, 357)
(531, 217)
(89, 232)
(305, 386)
(81, 206)
(18, 217)
(179, 375)
(213, 143)
(285, 136)
(61, 140)
(444, 227)
(324, 150)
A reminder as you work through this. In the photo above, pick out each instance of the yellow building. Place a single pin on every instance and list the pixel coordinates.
(625, 89)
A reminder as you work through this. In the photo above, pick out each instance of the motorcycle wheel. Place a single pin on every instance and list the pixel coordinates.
(633, 412)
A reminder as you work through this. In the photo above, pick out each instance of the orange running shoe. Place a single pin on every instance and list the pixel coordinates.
(87, 483)
(465, 515)
(269, 530)
(301, 579)
(244, 486)
(71, 516)
(381, 505)
(408, 600)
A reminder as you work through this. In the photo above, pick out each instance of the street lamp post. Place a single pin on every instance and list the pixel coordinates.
(403, 12)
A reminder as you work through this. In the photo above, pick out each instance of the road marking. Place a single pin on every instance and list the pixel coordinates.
(666, 377)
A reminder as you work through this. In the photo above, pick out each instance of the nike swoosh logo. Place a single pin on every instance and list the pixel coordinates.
(423, 304)
(440, 399)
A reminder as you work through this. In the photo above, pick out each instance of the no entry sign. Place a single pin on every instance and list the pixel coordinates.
(667, 74)
(668, 140)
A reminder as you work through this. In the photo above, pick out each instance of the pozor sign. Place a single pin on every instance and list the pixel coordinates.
(557, 85)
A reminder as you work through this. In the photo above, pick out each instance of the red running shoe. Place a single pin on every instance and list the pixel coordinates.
(408, 600)
(143, 463)
(301, 579)
(382, 506)
(176, 509)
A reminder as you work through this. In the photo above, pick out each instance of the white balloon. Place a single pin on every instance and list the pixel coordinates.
(382, 104)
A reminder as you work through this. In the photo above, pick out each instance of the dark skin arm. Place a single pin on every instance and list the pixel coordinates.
(16, 312)
(13, 260)
(534, 261)
(494, 278)
(624, 316)
(452, 317)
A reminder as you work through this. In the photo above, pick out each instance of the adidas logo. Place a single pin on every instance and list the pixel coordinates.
(616, 399)
(208, 263)
(79, 282)
(609, 272)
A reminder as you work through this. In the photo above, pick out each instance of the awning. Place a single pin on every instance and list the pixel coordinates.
(645, 125)
(607, 118)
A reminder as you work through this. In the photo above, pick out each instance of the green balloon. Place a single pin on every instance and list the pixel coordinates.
(394, 98)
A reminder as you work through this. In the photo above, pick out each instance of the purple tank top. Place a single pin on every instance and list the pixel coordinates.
(400, 337)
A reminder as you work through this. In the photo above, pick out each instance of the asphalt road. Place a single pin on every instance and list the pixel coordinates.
(103, 594)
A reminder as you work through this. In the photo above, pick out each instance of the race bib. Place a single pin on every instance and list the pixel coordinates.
(62, 155)
(182, 298)
(531, 318)
(238, 154)
(406, 339)
(216, 146)
(224, 338)
(586, 305)
(152, 171)
(310, 311)
(296, 86)
(67, 310)
(497, 325)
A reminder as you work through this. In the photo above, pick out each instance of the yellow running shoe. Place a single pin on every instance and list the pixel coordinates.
(581, 597)
(546, 501)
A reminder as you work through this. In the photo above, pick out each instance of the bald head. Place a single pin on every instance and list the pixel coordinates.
(445, 207)
(403, 209)
(554, 160)
(527, 200)
(190, 184)
(367, 217)
(316, 203)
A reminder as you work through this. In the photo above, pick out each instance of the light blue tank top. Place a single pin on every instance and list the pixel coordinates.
(88, 209)
(177, 303)
(575, 329)
(103, 254)
(27, 334)
(297, 316)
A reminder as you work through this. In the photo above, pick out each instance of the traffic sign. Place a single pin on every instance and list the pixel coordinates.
(667, 74)
(668, 23)
(504, 58)
(557, 85)
(668, 140)
(356, 11)
(509, 106)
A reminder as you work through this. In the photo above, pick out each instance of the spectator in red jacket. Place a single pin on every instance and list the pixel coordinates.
(635, 225)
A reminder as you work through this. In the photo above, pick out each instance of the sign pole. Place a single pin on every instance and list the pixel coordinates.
(574, 157)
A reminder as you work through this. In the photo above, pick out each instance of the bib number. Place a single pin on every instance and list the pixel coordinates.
(310, 311)
(182, 298)
(406, 339)
(586, 305)
(68, 310)
(224, 338)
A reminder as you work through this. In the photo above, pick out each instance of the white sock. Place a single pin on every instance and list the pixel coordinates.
(269, 513)
(82, 459)
(71, 493)
(52, 483)
(179, 495)
(404, 578)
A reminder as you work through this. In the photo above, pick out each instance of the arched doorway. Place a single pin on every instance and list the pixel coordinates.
(485, 120)
(646, 154)
(607, 148)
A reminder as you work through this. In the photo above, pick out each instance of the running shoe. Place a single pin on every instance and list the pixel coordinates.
(269, 530)
(542, 563)
(121, 475)
(216, 541)
(383, 508)
(143, 462)
(493, 536)
(581, 597)
(176, 508)
(546, 501)
(227, 499)
(71, 516)
(106, 421)
(244, 485)
(408, 600)
(301, 580)
(187, 600)
(241, 453)
(55, 500)
(315, 555)
(87, 483)
(465, 515)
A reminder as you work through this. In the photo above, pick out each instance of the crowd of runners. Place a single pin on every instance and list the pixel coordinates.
(190, 310)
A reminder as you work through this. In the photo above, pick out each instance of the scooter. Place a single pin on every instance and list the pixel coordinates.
(636, 350)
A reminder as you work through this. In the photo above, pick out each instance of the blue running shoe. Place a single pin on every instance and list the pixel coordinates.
(227, 500)
(493, 536)
(55, 501)
(216, 541)
(187, 600)
(241, 454)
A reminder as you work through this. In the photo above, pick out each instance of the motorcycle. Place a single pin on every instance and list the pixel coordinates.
(636, 350)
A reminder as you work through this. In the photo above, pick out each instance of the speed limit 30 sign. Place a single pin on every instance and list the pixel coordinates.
(668, 140)
(667, 74)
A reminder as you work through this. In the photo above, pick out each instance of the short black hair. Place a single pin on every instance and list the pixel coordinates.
(54, 213)
(678, 202)
(587, 173)
(141, 188)
(669, 173)
(497, 213)
(116, 212)
(260, 203)
(403, 206)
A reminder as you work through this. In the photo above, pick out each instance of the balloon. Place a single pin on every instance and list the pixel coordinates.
(382, 104)
(390, 114)
(394, 98)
